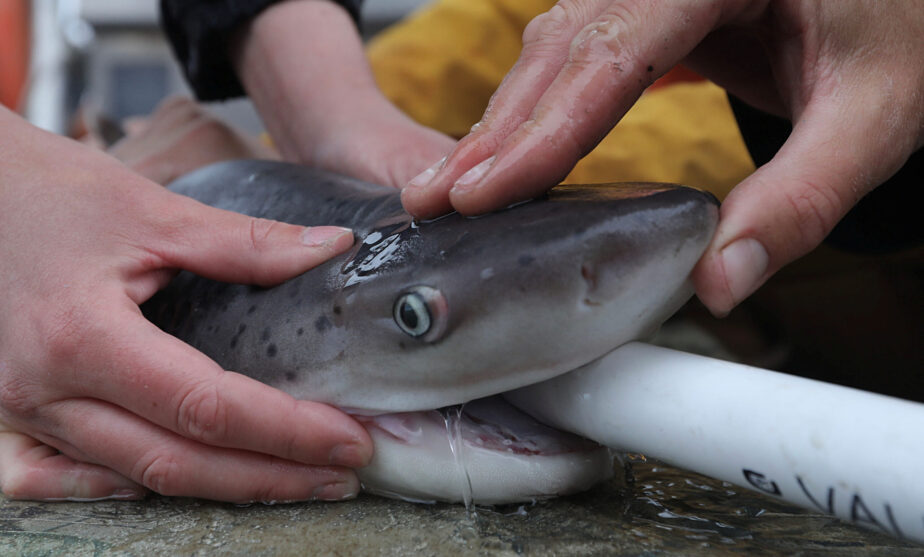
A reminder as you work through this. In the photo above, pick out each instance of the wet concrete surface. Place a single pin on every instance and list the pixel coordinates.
(652, 509)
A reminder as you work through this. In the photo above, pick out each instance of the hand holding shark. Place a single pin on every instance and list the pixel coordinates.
(83, 242)
(848, 74)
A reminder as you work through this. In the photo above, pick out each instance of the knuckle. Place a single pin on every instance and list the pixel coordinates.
(19, 397)
(814, 209)
(603, 37)
(178, 106)
(557, 25)
(210, 132)
(161, 473)
(202, 414)
(545, 25)
(267, 489)
(261, 230)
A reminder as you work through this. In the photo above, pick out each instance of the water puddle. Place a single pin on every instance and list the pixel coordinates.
(696, 507)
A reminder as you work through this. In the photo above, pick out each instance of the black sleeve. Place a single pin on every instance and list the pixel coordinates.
(885, 220)
(199, 31)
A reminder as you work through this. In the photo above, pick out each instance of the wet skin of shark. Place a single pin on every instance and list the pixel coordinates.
(424, 315)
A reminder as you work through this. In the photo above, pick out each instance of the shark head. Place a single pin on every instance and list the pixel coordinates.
(420, 316)
(461, 308)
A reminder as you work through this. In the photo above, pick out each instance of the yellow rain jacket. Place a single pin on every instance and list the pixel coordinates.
(443, 62)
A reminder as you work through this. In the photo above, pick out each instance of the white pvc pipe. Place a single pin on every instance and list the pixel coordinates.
(850, 453)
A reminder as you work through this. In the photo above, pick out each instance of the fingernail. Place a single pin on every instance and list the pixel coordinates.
(324, 236)
(351, 455)
(474, 175)
(127, 494)
(745, 262)
(422, 179)
(119, 495)
(337, 491)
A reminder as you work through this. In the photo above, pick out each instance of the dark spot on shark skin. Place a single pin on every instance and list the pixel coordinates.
(525, 260)
(290, 376)
(234, 342)
(241, 328)
(251, 309)
(322, 323)
(300, 331)
(401, 344)
(266, 334)
(293, 289)
(338, 310)
(271, 350)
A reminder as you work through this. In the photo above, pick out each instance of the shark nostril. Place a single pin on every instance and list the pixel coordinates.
(589, 274)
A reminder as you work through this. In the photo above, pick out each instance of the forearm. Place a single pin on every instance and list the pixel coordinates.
(302, 64)
(199, 32)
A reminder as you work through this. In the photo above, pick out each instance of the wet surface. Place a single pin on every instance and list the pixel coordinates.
(652, 509)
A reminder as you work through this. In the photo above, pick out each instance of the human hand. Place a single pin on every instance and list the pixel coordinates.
(83, 242)
(179, 137)
(848, 74)
(303, 66)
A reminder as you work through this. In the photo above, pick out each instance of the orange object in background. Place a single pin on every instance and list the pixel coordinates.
(14, 50)
(678, 74)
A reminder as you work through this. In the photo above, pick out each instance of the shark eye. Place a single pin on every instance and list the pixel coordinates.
(421, 313)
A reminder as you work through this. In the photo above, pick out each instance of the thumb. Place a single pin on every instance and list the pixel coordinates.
(788, 206)
(227, 246)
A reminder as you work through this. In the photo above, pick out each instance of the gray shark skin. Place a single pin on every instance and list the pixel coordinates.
(421, 315)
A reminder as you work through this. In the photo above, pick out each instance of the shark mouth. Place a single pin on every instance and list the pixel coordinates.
(484, 451)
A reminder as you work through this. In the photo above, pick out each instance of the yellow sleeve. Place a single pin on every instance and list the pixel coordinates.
(442, 63)
(683, 133)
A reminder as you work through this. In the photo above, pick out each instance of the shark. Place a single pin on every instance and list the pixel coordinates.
(421, 327)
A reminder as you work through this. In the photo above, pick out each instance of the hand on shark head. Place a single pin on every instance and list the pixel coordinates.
(83, 242)
(847, 73)
(324, 109)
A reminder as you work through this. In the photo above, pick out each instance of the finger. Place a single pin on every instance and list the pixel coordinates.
(175, 111)
(170, 114)
(227, 246)
(30, 469)
(131, 363)
(545, 52)
(610, 62)
(173, 465)
(838, 151)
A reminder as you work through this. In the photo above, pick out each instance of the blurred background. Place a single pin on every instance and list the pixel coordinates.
(110, 58)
